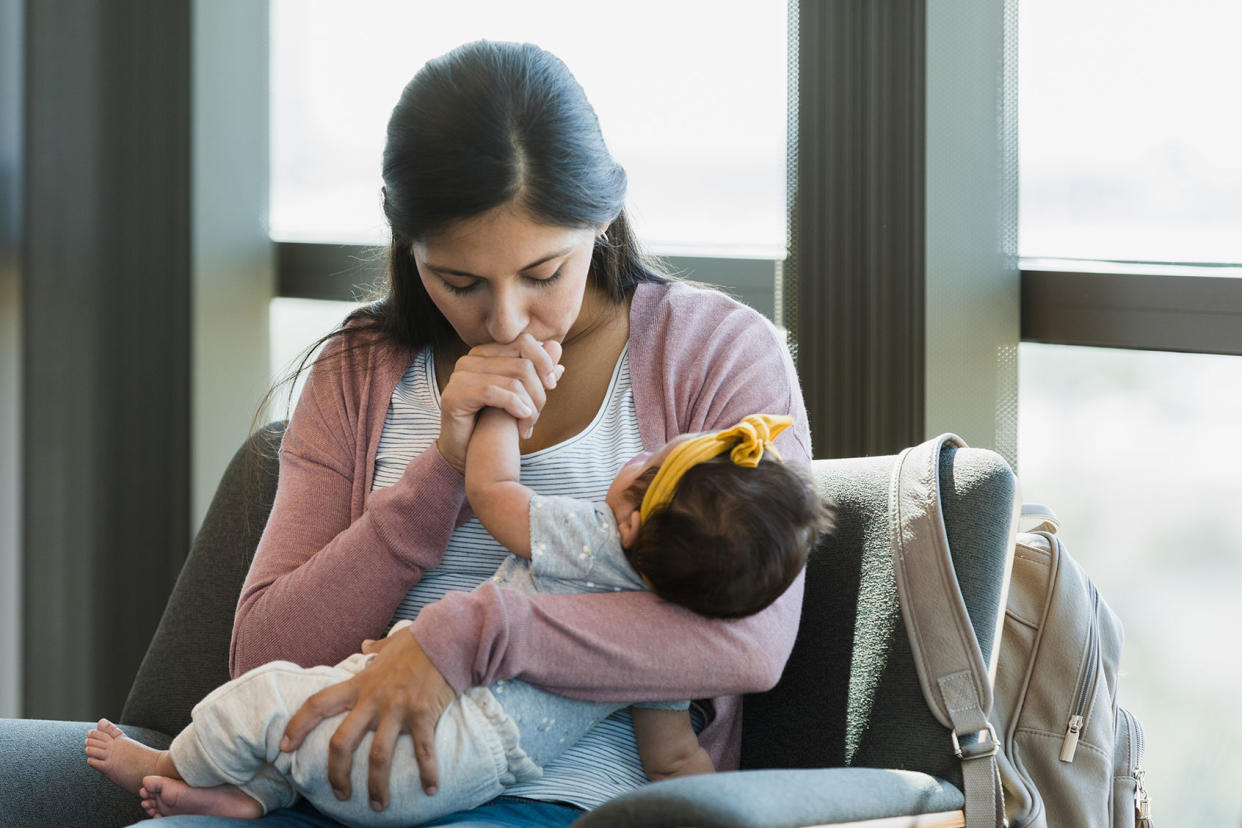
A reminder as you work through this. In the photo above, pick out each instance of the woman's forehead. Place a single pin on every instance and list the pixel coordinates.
(502, 236)
(507, 222)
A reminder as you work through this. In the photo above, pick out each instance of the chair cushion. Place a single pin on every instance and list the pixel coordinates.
(777, 799)
(44, 778)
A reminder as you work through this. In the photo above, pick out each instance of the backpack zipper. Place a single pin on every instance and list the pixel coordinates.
(1137, 748)
(1142, 802)
(1085, 688)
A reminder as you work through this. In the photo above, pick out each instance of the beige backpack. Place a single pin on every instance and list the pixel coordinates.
(1041, 738)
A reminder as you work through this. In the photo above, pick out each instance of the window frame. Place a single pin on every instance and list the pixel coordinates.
(1197, 312)
(348, 272)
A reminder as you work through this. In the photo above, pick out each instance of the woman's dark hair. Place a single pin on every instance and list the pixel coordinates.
(488, 124)
(733, 538)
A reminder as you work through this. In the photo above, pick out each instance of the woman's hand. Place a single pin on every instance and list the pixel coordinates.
(400, 691)
(514, 377)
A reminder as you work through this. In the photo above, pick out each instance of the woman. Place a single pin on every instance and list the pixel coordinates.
(515, 282)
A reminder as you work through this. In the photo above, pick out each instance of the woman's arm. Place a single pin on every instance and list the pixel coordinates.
(319, 584)
(625, 646)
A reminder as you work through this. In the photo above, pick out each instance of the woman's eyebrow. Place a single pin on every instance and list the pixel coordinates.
(531, 266)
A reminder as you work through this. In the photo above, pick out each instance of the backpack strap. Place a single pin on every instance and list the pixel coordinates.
(950, 665)
(1044, 518)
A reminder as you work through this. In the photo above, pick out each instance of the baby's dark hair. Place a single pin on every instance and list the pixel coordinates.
(732, 539)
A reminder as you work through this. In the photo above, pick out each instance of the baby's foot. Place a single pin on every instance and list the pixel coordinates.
(119, 757)
(162, 796)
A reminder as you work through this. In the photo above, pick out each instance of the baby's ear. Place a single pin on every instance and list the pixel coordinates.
(628, 528)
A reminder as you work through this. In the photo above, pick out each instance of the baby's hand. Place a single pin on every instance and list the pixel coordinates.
(515, 376)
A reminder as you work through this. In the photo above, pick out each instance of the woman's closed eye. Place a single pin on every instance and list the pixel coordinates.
(545, 281)
(536, 281)
(460, 289)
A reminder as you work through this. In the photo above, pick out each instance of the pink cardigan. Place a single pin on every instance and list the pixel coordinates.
(335, 560)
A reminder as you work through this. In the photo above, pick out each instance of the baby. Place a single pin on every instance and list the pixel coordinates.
(714, 522)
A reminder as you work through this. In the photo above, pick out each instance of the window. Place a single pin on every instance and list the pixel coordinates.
(1129, 130)
(1128, 153)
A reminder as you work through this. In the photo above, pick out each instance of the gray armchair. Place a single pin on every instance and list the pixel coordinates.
(845, 737)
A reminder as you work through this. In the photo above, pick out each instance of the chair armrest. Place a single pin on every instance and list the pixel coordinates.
(44, 778)
(778, 799)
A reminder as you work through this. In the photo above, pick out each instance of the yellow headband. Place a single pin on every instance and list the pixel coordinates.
(748, 441)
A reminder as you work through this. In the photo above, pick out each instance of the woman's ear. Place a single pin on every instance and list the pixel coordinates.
(628, 528)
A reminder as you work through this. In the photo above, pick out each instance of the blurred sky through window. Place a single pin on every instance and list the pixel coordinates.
(1130, 130)
(694, 107)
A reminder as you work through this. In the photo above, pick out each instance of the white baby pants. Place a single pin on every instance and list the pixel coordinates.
(235, 735)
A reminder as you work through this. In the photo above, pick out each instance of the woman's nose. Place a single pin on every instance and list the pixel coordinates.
(508, 318)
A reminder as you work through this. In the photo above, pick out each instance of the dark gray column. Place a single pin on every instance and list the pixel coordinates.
(901, 289)
(106, 342)
(857, 224)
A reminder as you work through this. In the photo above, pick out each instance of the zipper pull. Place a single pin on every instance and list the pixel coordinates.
(1070, 746)
(1142, 802)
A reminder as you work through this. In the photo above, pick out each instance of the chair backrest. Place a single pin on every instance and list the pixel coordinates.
(189, 655)
(850, 695)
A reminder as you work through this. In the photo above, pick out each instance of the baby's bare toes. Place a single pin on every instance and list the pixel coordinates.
(110, 729)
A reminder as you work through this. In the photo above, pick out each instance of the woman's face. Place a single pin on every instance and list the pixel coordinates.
(502, 274)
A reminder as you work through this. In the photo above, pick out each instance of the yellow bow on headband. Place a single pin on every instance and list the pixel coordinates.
(748, 440)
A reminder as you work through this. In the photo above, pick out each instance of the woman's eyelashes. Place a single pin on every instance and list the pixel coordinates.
(537, 281)
(460, 289)
(545, 281)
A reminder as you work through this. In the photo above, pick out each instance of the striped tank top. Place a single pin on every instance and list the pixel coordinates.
(604, 763)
